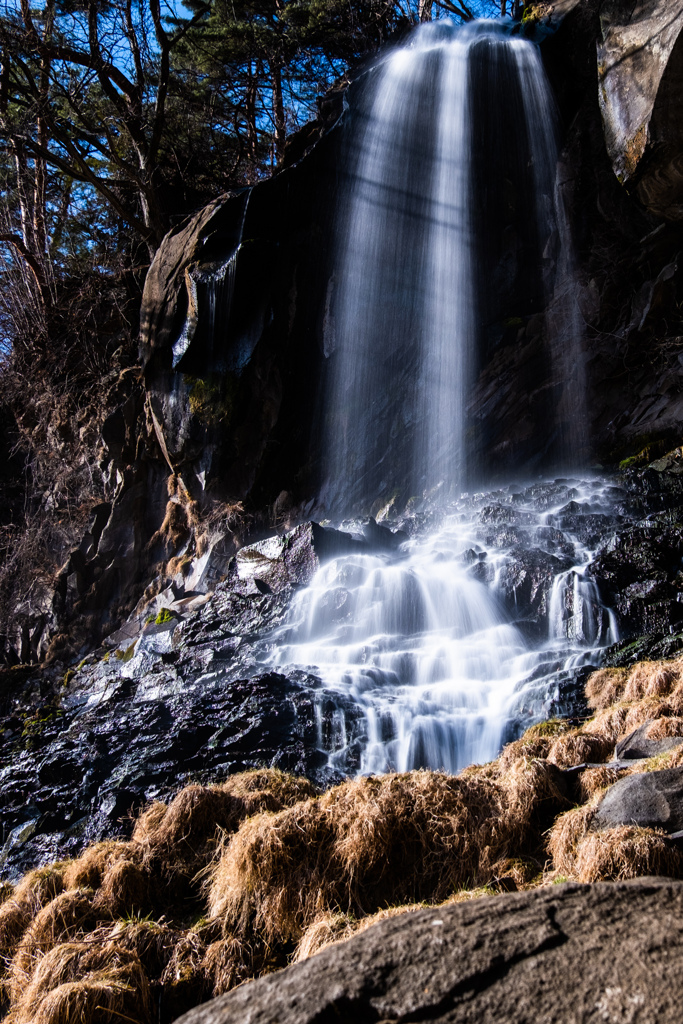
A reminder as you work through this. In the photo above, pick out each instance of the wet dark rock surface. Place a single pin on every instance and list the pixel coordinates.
(195, 697)
(606, 952)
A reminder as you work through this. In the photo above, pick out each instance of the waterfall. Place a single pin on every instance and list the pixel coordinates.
(449, 219)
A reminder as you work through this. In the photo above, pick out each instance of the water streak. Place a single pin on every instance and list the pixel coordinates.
(450, 220)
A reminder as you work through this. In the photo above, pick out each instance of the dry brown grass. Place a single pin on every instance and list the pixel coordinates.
(183, 980)
(627, 851)
(281, 868)
(63, 918)
(124, 890)
(231, 960)
(535, 743)
(578, 748)
(35, 889)
(179, 840)
(665, 728)
(566, 834)
(88, 870)
(593, 780)
(372, 843)
(325, 930)
(81, 982)
(364, 844)
(608, 724)
(605, 687)
(288, 789)
(652, 679)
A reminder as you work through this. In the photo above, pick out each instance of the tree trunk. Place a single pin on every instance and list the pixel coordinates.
(280, 135)
(250, 114)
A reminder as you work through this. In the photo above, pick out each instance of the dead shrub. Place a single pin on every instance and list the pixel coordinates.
(605, 687)
(579, 748)
(63, 918)
(175, 527)
(362, 845)
(567, 832)
(627, 851)
(124, 889)
(35, 889)
(88, 870)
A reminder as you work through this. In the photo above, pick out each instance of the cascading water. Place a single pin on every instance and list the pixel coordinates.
(450, 220)
(427, 643)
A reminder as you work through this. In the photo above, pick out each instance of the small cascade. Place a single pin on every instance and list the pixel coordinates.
(450, 220)
(428, 646)
(576, 612)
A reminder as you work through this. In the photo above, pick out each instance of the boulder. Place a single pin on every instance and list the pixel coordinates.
(607, 952)
(650, 799)
(639, 744)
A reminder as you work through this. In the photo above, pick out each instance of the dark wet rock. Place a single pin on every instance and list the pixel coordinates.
(650, 799)
(139, 740)
(381, 538)
(652, 646)
(639, 745)
(638, 574)
(526, 581)
(516, 958)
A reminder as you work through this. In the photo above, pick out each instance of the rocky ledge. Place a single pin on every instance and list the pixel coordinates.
(517, 958)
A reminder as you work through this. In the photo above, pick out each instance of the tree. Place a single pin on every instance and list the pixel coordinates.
(86, 88)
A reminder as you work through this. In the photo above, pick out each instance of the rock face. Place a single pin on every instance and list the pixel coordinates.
(608, 952)
(640, 69)
(650, 799)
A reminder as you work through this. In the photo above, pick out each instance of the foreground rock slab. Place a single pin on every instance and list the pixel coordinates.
(569, 953)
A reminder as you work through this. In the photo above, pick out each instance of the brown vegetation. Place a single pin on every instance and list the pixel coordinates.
(280, 872)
